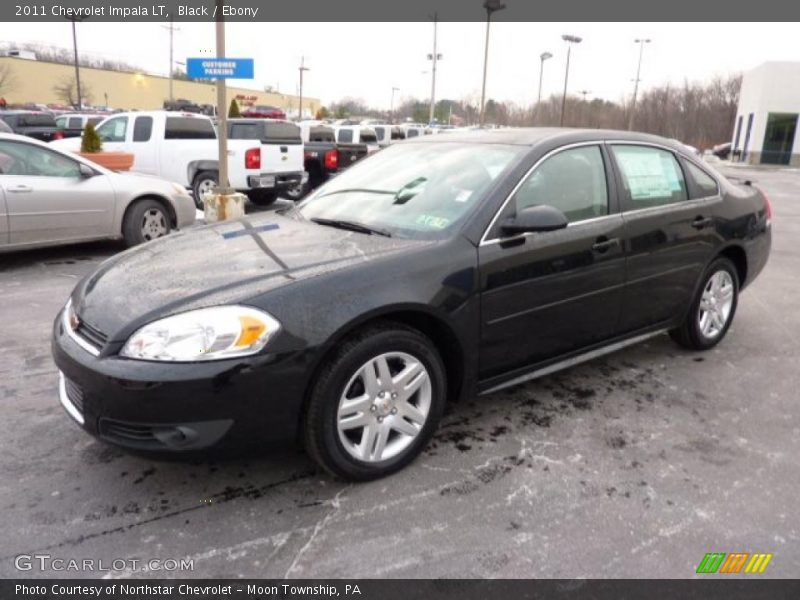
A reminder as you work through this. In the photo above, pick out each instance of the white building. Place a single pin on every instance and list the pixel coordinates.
(766, 130)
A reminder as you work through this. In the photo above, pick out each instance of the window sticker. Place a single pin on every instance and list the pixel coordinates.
(433, 222)
(649, 174)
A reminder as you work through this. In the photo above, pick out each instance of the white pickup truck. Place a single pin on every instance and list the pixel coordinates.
(182, 147)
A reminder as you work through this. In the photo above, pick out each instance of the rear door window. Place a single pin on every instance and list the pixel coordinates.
(650, 176)
(701, 184)
(345, 136)
(189, 128)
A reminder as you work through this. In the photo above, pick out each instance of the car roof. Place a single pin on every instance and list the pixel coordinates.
(533, 136)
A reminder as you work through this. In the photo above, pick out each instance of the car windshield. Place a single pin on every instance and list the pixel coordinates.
(412, 190)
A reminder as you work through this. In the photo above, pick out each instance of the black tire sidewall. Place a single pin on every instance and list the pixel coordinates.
(262, 197)
(132, 228)
(698, 340)
(337, 458)
(198, 179)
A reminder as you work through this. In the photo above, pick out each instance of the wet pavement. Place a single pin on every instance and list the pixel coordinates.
(634, 465)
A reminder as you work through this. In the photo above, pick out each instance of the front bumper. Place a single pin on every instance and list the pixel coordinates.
(277, 181)
(177, 407)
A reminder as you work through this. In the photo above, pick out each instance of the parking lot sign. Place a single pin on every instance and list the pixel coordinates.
(220, 68)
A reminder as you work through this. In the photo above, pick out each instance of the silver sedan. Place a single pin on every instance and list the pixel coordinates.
(49, 197)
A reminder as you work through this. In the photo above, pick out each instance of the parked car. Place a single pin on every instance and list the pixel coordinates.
(36, 124)
(412, 130)
(433, 270)
(323, 156)
(264, 112)
(722, 151)
(72, 124)
(388, 134)
(49, 197)
(357, 134)
(4, 128)
(183, 147)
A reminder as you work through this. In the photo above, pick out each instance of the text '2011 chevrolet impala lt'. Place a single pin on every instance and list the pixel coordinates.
(438, 268)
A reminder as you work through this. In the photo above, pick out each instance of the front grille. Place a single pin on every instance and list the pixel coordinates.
(74, 393)
(94, 336)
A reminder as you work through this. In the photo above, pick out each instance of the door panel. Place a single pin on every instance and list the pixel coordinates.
(550, 293)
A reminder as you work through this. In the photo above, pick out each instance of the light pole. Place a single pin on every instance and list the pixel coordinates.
(585, 93)
(391, 105)
(172, 29)
(491, 6)
(542, 57)
(302, 68)
(570, 39)
(74, 19)
(641, 43)
(435, 57)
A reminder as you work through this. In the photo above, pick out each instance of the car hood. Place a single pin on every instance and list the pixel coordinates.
(227, 262)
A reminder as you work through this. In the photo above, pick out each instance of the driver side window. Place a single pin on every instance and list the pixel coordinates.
(113, 130)
(18, 158)
(573, 181)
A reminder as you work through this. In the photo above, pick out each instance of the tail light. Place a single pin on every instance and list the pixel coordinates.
(767, 208)
(252, 158)
(58, 135)
(332, 160)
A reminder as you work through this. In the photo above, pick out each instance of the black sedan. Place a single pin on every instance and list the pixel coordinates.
(436, 269)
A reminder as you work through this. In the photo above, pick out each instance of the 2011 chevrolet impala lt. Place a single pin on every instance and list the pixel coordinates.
(438, 268)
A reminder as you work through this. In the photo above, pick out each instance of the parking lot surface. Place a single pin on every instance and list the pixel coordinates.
(634, 465)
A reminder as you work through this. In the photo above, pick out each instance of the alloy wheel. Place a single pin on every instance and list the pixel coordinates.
(715, 304)
(154, 224)
(384, 407)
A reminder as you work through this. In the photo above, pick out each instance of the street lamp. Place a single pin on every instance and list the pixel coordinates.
(74, 19)
(491, 6)
(391, 105)
(641, 43)
(542, 57)
(302, 68)
(172, 29)
(434, 57)
(570, 39)
(585, 93)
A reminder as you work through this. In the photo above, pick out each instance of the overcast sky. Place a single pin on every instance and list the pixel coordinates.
(365, 60)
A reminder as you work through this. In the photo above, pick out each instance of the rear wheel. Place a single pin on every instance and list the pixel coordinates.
(712, 309)
(144, 221)
(262, 197)
(204, 183)
(376, 403)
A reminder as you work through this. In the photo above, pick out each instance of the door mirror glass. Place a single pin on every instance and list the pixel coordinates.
(535, 218)
(86, 171)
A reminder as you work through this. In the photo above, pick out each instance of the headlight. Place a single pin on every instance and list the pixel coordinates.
(204, 334)
(180, 189)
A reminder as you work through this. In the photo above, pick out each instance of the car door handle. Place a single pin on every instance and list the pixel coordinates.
(701, 222)
(19, 189)
(603, 244)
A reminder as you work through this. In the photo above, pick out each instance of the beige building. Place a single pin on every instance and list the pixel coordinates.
(34, 81)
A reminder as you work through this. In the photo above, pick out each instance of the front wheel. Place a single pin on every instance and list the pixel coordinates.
(712, 309)
(376, 403)
(144, 221)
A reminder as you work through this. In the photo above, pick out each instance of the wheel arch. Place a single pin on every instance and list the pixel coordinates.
(738, 256)
(166, 204)
(196, 166)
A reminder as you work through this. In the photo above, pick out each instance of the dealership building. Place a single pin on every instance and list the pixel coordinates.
(766, 130)
(35, 81)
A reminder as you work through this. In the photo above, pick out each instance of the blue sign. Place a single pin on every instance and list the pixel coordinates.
(220, 68)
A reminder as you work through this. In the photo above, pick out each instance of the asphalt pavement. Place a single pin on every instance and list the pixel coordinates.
(634, 465)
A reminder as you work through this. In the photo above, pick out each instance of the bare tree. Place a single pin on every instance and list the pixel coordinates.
(67, 92)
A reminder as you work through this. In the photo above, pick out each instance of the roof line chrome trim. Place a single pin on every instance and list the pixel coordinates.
(575, 360)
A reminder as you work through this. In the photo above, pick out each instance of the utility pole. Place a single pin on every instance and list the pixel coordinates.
(172, 29)
(302, 68)
(223, 186)
(74, 19)
(641, 43)
(434, 57)
(491, 6)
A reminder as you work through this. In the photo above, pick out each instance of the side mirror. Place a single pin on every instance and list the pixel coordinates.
(86, 171)
(535, 218)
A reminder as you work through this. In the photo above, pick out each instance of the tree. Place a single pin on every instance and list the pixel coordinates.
(323, 113)
(91, 142)
(67, 92)
(180, 75)
(233, 111)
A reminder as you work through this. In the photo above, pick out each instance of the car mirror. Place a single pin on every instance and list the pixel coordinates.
(535, 218)
(86, 171)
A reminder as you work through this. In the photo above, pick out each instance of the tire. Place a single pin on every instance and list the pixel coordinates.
(145, 220)
(298, 192)
(703, 328)
(346, 453)
(262, 197)
(204, 181)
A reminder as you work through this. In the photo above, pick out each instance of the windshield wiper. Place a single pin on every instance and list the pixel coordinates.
(352, 226)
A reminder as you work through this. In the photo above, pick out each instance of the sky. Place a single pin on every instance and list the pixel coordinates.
(365, 60)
